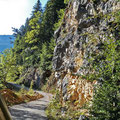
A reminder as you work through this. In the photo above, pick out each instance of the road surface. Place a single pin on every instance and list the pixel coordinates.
(34, 110)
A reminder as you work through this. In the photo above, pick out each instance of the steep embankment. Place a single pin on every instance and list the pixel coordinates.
(85, 27)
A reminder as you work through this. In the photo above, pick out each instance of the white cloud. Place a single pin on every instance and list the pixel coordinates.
(13, 13)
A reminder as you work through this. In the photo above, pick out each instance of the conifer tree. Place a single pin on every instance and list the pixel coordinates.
(50, 17)
(44, 57)
(106, 101)
(47, 55)
(32, 37)
(37, 7)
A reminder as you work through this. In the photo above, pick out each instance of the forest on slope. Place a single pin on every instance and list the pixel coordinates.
(34, 42)
(98, 44)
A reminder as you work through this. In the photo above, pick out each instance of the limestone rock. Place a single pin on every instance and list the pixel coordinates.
(80, 35)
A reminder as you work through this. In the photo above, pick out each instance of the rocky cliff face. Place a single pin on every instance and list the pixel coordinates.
(34, 75)
(84, 28)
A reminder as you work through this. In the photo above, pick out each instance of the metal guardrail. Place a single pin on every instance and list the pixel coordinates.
(4, 109)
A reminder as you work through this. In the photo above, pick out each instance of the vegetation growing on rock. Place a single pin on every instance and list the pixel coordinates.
(83, 57)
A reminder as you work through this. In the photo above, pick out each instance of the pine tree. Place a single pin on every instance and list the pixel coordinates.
(32, 37)
(50, 17)
(106, 101)
(44, 58)
(51, 48)
(47, 55)
(34, 43)
(37, 7)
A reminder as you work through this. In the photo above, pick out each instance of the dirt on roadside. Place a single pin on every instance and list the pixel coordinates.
(11, 98)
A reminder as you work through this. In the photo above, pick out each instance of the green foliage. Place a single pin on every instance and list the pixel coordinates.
(60, 16)
(34, 43)
(54, 108)
(105, 68)
(37, 30)
(51, 47)
(50, 17)
(27, 43)
(107, 59)
(32, 39)
(66, 1)
(31, 91)
(44, 57)
(23, 91)
(8, 69)
(106, 100)
(37, 7)
(56, 111)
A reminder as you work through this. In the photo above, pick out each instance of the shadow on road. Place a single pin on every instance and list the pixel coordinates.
(25, 115)
(34, 110)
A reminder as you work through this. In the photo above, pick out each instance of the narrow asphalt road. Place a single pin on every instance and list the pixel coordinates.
(34, 110)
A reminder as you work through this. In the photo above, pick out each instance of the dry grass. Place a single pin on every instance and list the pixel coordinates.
(11, 98)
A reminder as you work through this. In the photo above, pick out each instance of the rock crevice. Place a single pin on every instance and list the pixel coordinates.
(80, 35)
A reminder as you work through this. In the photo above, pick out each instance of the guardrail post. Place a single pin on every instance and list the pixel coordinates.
(4, 108)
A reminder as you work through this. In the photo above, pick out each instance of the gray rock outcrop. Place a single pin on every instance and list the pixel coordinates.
(36, 76)
(82, 32)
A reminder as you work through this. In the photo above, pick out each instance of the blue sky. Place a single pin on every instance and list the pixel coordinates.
(13, 13)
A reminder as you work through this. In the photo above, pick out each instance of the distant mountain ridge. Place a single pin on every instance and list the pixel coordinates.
(5, 42)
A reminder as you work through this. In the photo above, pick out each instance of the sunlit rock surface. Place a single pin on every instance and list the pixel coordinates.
(81, 33)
